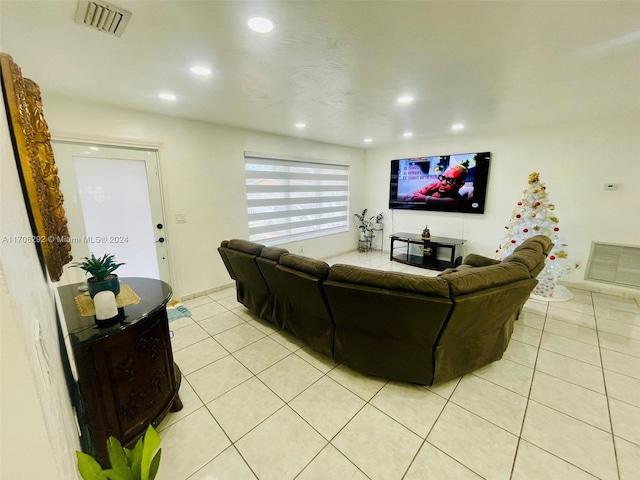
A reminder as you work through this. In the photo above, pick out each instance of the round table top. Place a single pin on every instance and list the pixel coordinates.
(154, 295)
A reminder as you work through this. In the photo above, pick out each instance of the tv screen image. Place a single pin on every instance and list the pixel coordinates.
(446, 183)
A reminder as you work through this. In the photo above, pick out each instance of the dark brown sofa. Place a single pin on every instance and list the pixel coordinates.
(391, 324)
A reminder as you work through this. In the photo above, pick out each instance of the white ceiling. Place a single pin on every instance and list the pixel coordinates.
(340, 66)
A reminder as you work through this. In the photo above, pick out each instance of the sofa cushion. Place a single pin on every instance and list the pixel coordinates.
(245, 246)
(405, 282)
(529, 258)
(316, 268)
(273, 253)
(476, 279)
(539, 243)
(476, 260)
(459, 268)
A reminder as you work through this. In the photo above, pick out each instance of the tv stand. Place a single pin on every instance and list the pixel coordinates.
(428, 257)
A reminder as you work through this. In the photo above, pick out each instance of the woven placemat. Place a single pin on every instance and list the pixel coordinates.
(126, 297)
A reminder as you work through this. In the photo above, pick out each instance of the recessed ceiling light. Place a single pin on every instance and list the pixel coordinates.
(405, 99)
(407, 134)
(301, 125)
(202, 71)
(368, 140)
(457, 126)
(260, 24)
(167, 96)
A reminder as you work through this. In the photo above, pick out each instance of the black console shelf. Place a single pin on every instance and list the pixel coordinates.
(430, 248)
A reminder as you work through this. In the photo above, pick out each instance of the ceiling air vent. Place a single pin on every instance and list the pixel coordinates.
(102, 16)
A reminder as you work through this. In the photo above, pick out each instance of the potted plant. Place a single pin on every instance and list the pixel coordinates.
(365, 225)
(141, 463)
(101, 271)
(378, 225)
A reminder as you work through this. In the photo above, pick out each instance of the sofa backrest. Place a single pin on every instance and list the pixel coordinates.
(387, 323)
(252, 291)
(222, 250)
(267, 261)
(300, 305)
(532, 253)
(486, 301)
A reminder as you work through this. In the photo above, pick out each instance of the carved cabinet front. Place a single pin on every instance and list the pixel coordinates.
(126, 377)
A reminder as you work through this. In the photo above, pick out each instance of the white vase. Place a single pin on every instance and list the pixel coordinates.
(378, 226)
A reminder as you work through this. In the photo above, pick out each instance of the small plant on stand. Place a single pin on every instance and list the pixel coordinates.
(365, 224)
(378, 225)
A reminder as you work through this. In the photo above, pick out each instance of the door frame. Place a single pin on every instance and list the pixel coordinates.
(164, 202)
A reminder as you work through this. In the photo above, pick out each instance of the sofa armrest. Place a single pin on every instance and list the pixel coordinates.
(476, 260)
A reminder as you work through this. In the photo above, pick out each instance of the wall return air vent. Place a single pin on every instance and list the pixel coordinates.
(610, 263)
(102, 16)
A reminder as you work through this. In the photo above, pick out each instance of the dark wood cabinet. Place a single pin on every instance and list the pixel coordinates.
(125, 374)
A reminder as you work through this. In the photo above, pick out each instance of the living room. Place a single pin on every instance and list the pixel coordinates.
(591, 141)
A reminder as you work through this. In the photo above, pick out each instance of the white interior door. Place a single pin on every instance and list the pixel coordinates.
(113, 202)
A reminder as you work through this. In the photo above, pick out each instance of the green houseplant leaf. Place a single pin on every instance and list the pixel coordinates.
(99, 268)
(140, 463)
(118, 460)
(88, 467)
(134, 459)
(151, 443)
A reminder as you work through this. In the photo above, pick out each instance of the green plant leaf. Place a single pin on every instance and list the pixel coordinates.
(88, 467)
(151, 442)
(155, 464)
(134, 459)
(111, 474)
(118, 460)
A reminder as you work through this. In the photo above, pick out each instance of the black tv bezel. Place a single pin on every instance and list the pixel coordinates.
(481, 179)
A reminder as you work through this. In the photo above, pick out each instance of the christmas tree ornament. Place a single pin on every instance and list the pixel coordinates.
(533, 216)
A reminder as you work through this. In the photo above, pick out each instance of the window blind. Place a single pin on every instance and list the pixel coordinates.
(291, 200)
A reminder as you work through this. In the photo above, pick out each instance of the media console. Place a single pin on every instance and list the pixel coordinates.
(429, 250)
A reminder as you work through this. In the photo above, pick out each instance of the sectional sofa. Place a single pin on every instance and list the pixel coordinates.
(394, 325)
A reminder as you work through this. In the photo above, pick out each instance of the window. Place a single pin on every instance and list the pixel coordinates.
(293, 199)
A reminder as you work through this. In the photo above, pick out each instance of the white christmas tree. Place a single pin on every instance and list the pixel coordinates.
(534, 215)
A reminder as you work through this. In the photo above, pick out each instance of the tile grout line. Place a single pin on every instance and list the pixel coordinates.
(526, 408)
(606, 394)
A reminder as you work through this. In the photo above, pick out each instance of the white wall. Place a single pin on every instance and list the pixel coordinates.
(574, 162)
(202, 170)
(38, 434)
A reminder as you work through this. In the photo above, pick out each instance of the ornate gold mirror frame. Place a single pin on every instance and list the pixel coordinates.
(39, 175)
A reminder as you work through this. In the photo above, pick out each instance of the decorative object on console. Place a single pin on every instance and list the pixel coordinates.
(86, 306)
(535, 215)
(106, 308)
(101, 271)
(426, 234)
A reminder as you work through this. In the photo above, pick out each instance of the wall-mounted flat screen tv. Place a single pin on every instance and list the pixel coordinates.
(446, 183)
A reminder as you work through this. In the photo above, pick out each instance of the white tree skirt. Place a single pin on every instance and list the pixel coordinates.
(560, 294)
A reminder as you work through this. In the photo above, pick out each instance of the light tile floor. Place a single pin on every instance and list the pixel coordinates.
(563, 403)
